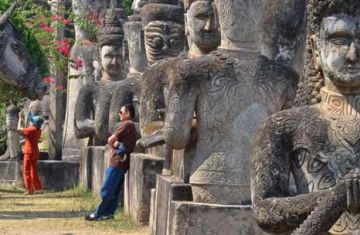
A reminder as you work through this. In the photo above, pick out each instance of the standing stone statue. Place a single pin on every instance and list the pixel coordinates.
(231, 90)
(203, 37)
(318, 145)
(83, 49)
(98, 103)
(164, 38)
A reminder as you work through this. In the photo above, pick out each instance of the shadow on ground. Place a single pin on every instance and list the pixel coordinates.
(7, 215)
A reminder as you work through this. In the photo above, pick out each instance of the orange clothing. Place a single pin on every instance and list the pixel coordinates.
(31, 178)
(32, 136)
(31, 156)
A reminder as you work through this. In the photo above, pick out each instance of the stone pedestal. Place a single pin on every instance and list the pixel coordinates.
(92, 166)
(211, 219)
(8, 171)
(97, 168)
(168, 188)
(142, 178)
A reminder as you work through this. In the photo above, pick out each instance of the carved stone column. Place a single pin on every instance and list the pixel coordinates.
(12, 119)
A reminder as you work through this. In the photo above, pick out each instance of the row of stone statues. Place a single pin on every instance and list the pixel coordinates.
(223, 88)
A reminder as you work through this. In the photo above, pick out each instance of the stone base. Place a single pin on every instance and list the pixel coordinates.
(142, 178)
(7, 171)
(211, 219)
(168, 188)
(98, 168)
(72, 158)
(92, 167)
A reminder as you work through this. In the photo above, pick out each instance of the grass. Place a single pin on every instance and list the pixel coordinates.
(57, 213)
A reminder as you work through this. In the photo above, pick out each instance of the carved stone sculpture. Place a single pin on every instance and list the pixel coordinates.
(163, 30)
(98, 103)
(203, 37)
(233, 89)
(318, 145)
(84, 49)
(16, 65)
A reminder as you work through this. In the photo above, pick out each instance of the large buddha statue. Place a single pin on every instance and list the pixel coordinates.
(98, 103)
(231, 90)
(317, 145)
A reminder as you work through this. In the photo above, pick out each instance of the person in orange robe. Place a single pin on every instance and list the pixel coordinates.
(31, 154)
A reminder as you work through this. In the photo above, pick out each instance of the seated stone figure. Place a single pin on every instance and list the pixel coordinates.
(231, 90)
(318, 145)
(98, 103)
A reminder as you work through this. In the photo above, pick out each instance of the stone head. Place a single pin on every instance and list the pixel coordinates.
(335, 42)
(239, 20)
(163, 30)
(200, 27)
(110, 46)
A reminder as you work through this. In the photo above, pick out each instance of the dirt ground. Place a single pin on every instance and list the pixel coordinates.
(57, 213)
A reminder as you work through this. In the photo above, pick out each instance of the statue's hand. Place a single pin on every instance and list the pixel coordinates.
(352, 183)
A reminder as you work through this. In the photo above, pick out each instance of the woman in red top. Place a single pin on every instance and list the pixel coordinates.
(31, 154)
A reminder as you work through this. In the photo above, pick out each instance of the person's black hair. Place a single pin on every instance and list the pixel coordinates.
(131, 109)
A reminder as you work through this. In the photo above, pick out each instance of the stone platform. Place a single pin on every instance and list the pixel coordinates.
(142, 178)
(190, 218)
(55, 175)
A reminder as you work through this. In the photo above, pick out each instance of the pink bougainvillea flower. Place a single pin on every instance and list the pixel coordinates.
(57, 17)
(59, 87)
(79, 63)
(48, 29)
(66, 21)
(49, 79)
(63, 46)
(42, 25)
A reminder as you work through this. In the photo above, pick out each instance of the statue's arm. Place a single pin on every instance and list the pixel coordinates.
(152, 99)
(274, 208)
(84, 125)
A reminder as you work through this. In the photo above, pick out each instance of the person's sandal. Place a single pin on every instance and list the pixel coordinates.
(28, 193)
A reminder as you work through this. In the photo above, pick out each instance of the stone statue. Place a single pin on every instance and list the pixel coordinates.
(16, 65)
(318, 146)
(164, 38)
(203, 37)
(98, 103)
(83, 49)
(231, 90)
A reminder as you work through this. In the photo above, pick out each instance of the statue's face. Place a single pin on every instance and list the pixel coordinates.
(163, 39)
(339, 49)
(201, 25)
(111, 58)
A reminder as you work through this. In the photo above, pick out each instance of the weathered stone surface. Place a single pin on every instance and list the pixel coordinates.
(7, 171)
(142, 178)
(283, 32)
(98, 167)
(232, 91)
(58, 175)
(167, 189)
(86, 154)
(318, 144)
(211, 219)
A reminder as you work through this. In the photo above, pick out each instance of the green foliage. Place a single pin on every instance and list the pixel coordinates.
(126, 4)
